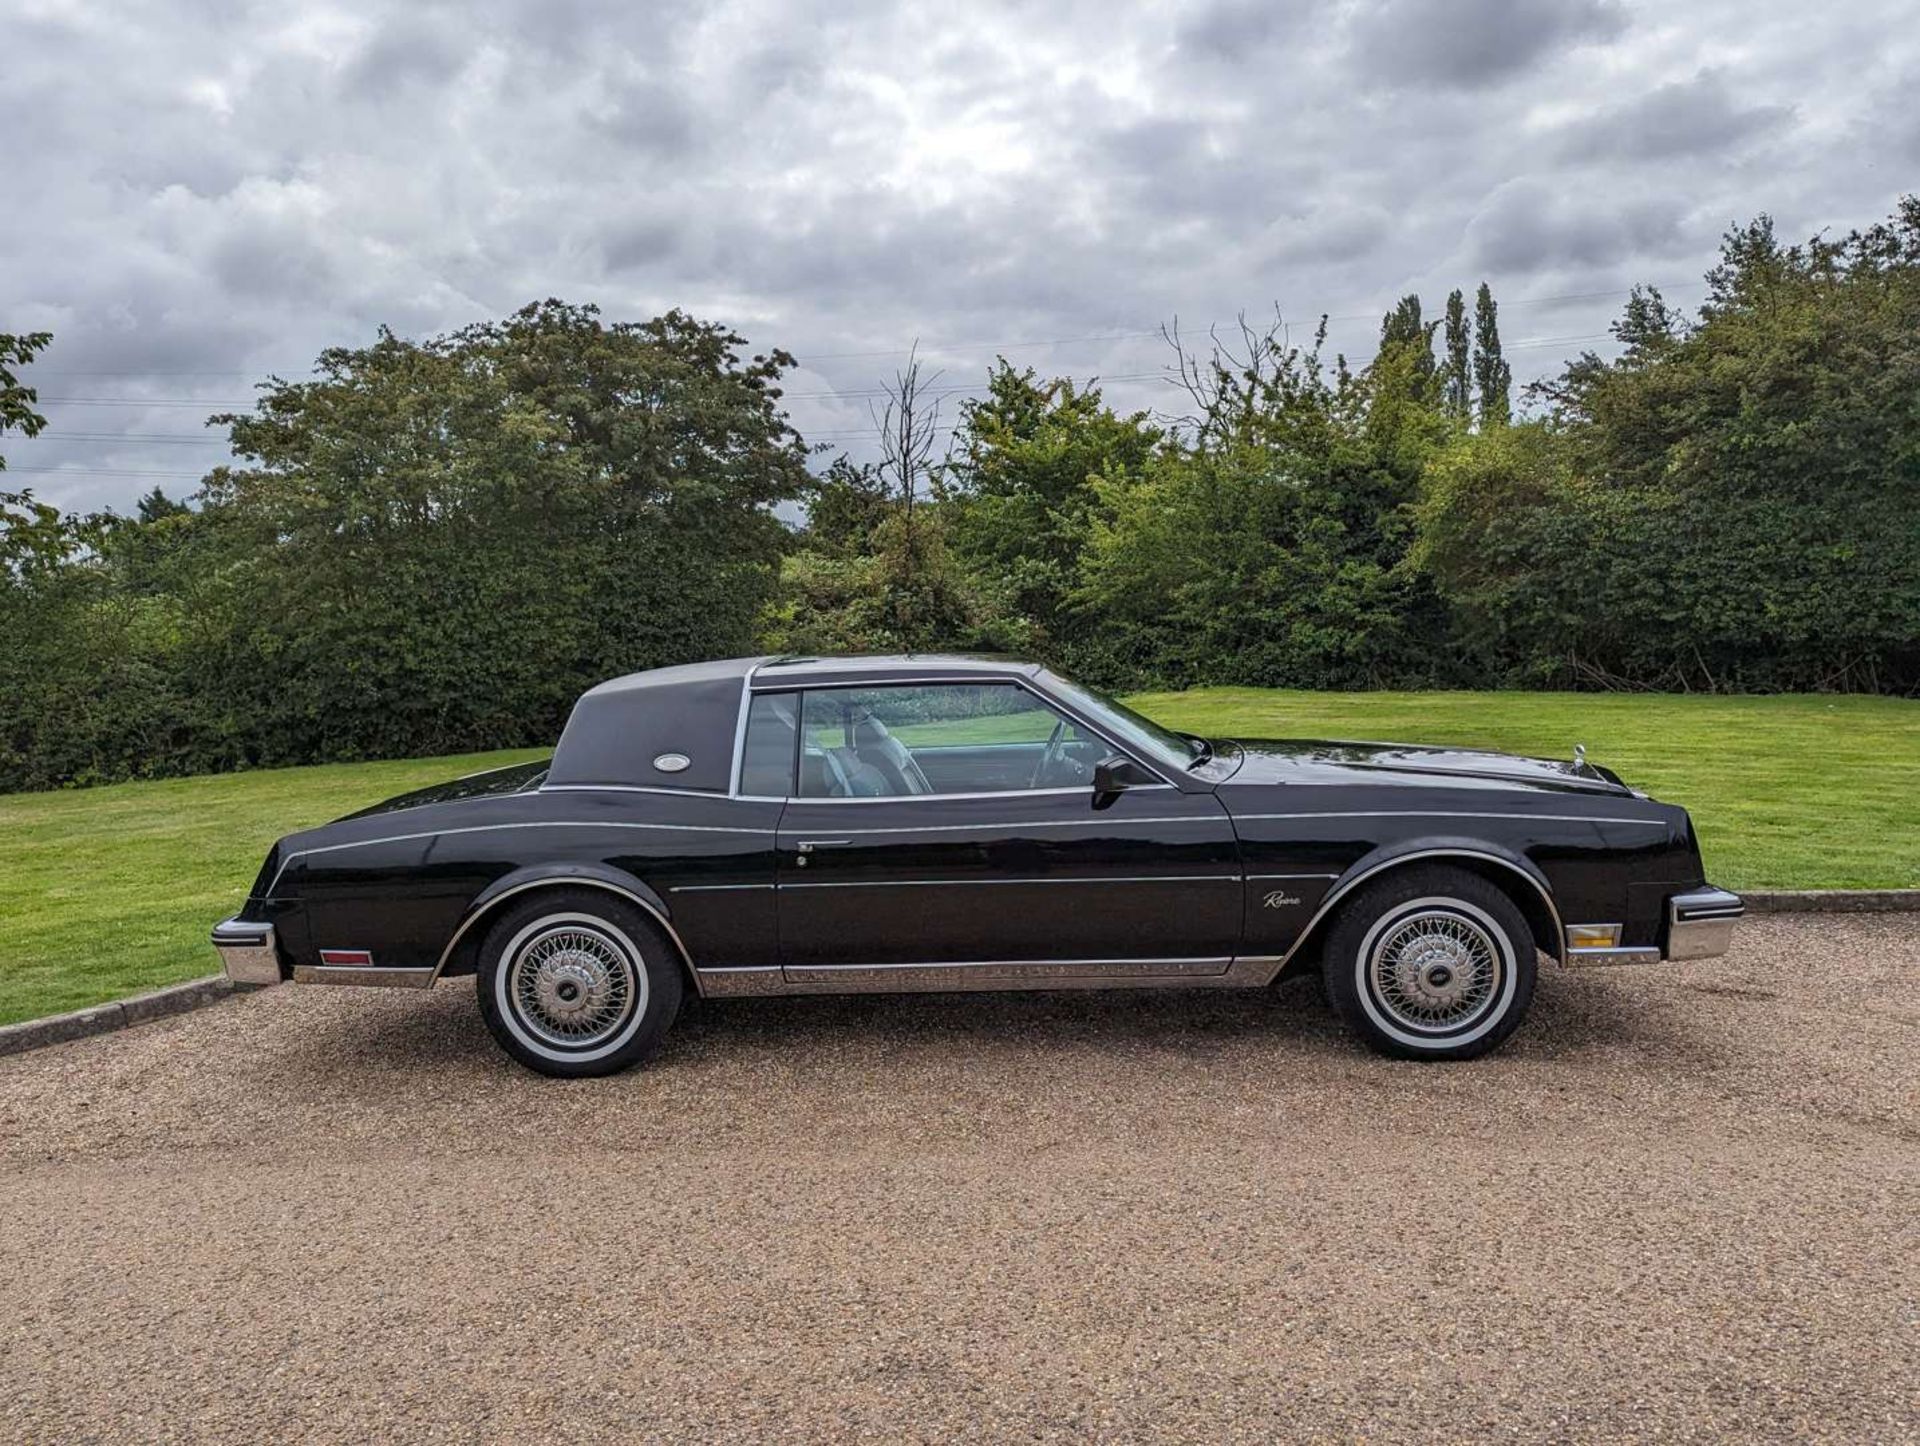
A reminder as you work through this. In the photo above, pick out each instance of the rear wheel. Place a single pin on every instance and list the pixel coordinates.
(1431, 963)
(576, 982)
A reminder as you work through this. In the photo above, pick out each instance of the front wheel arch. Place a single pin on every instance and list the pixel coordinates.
(1513, 876)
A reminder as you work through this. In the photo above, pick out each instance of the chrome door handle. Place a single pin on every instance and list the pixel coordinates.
(808, 845)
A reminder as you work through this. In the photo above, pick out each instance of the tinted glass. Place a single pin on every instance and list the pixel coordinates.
(944, 738)
(1158, 743)
(772, 726)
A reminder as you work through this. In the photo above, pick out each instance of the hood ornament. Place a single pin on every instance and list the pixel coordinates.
(1579, 756)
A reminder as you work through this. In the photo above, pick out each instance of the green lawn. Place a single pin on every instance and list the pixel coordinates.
(109, 891)
(1797, 792)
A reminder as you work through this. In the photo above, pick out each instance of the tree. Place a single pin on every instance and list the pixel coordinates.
(844, 507)
(1457, 393)
(1019, 489)
(1265, 544)
(907, 425)
(1402, 331)
(437, 544)
(16, 400)
(156, 505)
(1492, 377)
(1727, 504)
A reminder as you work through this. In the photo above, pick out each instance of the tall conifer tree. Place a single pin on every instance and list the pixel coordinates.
(1491, 374)
(1403, 329)
(1458, 369)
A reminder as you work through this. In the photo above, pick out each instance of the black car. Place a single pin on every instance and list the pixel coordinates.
(839, 825)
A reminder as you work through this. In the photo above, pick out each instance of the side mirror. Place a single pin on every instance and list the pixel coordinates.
(1116, 774)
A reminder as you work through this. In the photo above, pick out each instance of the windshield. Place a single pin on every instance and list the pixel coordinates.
(1159, 745)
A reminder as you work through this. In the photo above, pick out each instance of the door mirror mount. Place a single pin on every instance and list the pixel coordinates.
(1116, 773)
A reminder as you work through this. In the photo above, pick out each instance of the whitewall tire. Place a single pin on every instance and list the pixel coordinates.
(577, 982)
(1431, 962)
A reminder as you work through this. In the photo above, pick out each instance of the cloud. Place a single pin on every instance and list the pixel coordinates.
(201, 194)
(1528, 226)
(1472, 43)
(1231, 30)
(1681, 118)
(415, 48)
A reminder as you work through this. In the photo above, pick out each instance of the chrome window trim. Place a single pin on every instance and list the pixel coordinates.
(629, 788)
(740, 729)
(1084, 789)
(888, 680)
(560, 882)
(977, 680)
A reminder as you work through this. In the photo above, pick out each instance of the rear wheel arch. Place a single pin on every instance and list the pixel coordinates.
(462, 951)
(1513, 876)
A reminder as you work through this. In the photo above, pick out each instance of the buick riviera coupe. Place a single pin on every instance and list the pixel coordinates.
(839, 825)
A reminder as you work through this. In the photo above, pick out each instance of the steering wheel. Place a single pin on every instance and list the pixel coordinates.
(1051, 754)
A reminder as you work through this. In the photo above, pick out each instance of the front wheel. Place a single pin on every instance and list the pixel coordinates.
(1431, 963)
(574, 982)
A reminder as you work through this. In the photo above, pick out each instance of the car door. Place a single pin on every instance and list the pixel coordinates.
(952, 828)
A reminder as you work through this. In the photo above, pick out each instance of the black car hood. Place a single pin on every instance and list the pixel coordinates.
(1296, 760)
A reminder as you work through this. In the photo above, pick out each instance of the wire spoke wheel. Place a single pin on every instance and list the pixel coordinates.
(572, 985)
(1435, 971)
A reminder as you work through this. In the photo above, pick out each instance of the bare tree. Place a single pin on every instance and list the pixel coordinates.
(1233, 379)
(908, 424)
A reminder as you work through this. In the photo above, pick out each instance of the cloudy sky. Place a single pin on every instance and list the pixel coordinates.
(200, 193)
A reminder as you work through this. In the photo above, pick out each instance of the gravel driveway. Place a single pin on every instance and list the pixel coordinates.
(1683, 1203)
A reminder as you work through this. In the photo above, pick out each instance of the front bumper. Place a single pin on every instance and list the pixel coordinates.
(1698, 925)
(249, 951)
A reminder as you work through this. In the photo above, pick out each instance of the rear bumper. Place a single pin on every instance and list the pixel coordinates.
(1698, 925)
(249, 951)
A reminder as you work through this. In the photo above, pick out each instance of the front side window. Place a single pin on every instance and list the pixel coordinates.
(897, 742)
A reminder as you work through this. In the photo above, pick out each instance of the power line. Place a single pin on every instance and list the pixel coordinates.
(146, 402)
(1163, 378)
(846, 394)
(142, 437)
(1515, 304)
(99, 472)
